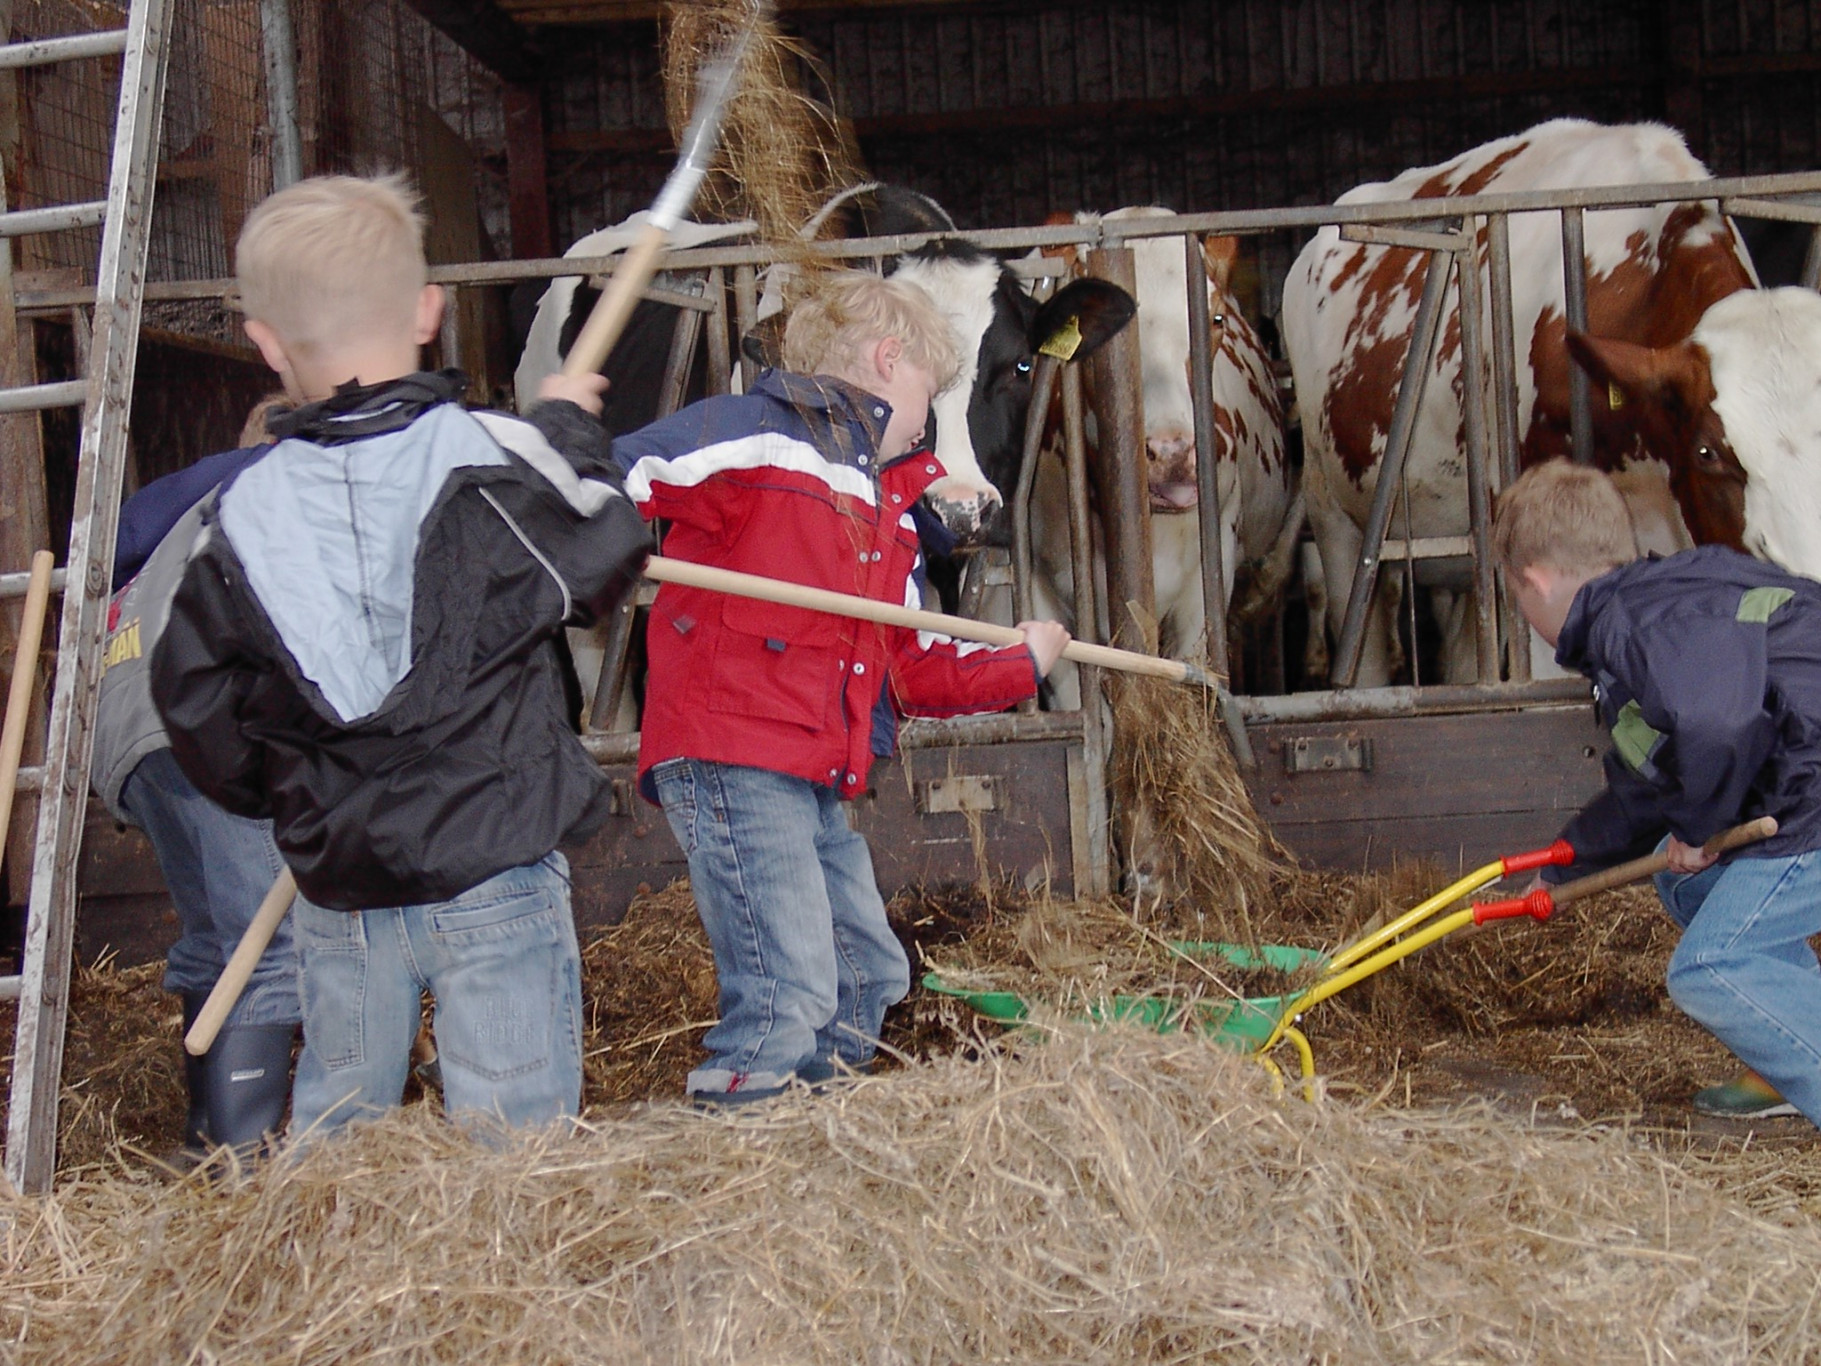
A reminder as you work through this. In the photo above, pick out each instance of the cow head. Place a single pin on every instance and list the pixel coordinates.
(1163, 345)
(1735, 411)
(977, 423)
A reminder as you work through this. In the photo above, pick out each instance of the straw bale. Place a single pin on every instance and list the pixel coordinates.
(1096, 1197)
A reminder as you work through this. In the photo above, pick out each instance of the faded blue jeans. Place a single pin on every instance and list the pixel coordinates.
(805, 960)
(1744, 969)
(218, 868)
(502, 963)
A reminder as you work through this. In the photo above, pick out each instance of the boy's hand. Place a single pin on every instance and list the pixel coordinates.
(1045, 640)
(1688, 858)
(582, 390)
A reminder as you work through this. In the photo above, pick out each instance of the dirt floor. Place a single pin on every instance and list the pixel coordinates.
(1560, 1024)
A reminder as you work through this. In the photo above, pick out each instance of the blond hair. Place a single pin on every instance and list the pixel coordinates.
(332, 260)
(1568, 517)
(849, 311)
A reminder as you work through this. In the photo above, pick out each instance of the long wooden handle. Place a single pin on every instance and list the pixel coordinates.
(233, 979)
(25, 675)
(1649, 866)
(613, 309)
(663, 570)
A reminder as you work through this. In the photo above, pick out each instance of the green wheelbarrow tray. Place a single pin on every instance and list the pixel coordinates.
(1242, 1024)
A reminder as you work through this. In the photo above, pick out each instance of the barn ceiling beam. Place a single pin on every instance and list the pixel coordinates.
(482, 29)
(635, 11)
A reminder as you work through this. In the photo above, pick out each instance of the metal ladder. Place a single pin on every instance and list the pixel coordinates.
(105, 396)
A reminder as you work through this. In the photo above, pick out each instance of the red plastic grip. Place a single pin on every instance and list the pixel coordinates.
(1558, 855)
(1539, 904)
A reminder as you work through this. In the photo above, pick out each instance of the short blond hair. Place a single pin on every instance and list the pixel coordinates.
(851, 310)
(1568, 517)
(333, 259)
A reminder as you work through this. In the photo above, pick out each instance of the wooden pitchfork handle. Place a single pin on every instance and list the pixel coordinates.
(25, 676)
(233, 979)
(1544, 901)
(691, 575)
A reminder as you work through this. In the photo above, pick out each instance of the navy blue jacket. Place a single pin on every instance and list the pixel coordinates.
(1707, 670)
(148, 516)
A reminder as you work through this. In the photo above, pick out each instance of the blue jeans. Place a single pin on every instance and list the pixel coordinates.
(804, 958)
(502, 963)
(218, 868)
(1744, 968)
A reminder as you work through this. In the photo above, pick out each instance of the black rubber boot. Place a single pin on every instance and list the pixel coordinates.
(196, 1082)
(249, 1081)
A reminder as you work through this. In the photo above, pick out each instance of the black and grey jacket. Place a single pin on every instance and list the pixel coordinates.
(364, 644)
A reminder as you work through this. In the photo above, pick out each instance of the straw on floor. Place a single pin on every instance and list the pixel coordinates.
(1096, 1197)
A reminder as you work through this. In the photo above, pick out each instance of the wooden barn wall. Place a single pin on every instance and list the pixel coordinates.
(1010, 113)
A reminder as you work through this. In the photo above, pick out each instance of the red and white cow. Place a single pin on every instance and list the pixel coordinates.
(1652, 273)
(1260, 520)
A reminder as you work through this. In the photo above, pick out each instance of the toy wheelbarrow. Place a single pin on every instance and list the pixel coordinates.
(1257, 1025)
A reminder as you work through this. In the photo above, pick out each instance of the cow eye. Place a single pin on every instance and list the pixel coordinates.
(1024, 367)
(1707, 455)
(1218, 320)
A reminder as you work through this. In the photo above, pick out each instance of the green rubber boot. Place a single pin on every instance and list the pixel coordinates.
(1747, 1096)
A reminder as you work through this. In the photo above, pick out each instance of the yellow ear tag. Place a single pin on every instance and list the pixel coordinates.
(1065, 341)
(1615, 396)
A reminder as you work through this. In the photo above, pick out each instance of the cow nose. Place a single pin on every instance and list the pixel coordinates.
(1169, 445)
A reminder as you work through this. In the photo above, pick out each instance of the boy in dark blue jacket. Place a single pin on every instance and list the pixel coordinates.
(1707, 670)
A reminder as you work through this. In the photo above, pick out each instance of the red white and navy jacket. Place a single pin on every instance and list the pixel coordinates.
(785, 482)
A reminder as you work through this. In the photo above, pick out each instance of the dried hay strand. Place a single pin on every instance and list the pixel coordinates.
(1176, 780)
(1106, 1196)
(784, 153)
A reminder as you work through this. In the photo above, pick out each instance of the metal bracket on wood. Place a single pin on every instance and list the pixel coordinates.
(1328, 754)
(965, 792)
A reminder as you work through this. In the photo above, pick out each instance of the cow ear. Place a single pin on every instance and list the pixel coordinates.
(1220, 253)
(1078, 319)
(1632, 373)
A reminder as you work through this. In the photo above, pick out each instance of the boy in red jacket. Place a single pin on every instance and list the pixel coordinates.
(759, 719)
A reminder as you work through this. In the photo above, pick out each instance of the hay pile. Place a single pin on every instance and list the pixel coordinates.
(784, 152)
(1101, 1197)
(1190, 819)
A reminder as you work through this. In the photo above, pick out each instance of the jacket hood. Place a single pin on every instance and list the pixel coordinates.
(826, 394)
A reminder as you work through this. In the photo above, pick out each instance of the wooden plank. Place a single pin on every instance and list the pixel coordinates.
(528, 196)
(1435, 781)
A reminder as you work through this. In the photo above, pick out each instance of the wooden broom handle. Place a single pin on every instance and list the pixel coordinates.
(25, 676)
(614, 308)
(684, 572)
(233, 979)
(1652, 864)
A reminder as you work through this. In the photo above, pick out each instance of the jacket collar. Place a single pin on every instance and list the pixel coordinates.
(354, 412)
(836, 398)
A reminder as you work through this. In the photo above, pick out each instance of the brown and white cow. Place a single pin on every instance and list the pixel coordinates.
(1259, 518)
(1652, 274)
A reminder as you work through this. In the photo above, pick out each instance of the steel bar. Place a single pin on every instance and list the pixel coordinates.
(683, 341)
(278, 48)
(1782, 210)
(38, 397)
(1125, 497)
(1037, 416)
(1214, 569)
(1574, 287)
(1081, 527)
(31, 779)
(745, 317)
(24, 222)
(1504, 416)
(1811, 262)
(1354, 704)
(1391, 469)
(14, 585)
(1413, 239)
(9, 987)
(1479, 475)
(44, 51)
(997, 729)
(720, 359)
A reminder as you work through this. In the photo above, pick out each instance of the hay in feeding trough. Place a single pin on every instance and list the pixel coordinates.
(784, 153)
(1101, 1197)
(1190, 817)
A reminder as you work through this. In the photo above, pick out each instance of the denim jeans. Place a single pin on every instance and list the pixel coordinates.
(502, 964)
(1744, 968)
(218, 868)
(805, 961)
